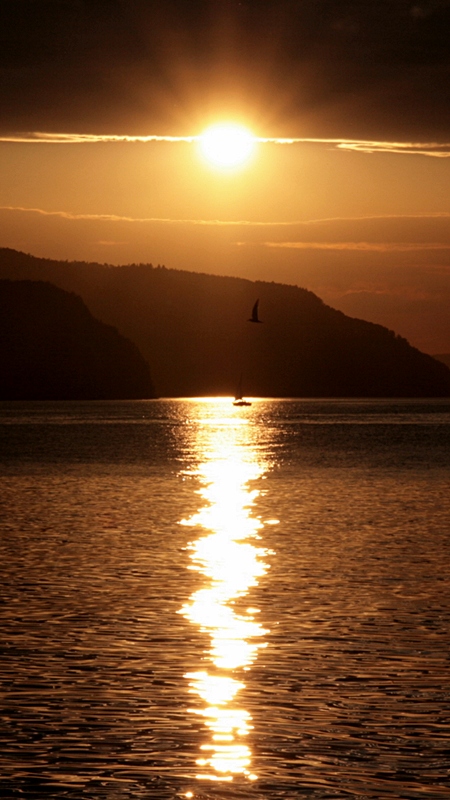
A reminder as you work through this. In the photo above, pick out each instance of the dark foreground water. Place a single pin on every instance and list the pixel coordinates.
(202, 601)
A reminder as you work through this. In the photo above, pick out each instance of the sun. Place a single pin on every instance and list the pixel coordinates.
(227, 145)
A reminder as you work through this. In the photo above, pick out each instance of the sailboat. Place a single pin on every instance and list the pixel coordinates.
(254, 317)
(239, 400)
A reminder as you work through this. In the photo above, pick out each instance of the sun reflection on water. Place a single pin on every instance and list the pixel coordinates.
(227, 555)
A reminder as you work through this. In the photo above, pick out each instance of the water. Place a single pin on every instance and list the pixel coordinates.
(202, 601)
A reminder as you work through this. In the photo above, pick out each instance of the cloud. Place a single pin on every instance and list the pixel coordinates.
(39, 137)
(427, 233)
(434, 149)
(431, 149)
(379, 247)
(302, 224)
(402, 292)
(110, 243)
(69, 215)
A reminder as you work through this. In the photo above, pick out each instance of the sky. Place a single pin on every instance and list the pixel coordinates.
(103, 105)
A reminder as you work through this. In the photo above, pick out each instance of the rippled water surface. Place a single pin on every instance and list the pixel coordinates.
(203, 601)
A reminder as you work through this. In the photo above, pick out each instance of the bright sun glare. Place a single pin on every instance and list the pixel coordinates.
(227, 145)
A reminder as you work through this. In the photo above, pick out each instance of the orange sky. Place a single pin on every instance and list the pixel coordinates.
(365, 226)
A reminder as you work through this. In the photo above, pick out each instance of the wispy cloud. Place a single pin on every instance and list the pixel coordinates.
(433, 149)
(408, 293)
(69, 215)
(39, 137)
(110, 243)
(303, 224)
(379, 247)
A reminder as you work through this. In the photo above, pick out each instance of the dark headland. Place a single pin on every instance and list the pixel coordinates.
(192, 330)
(52, 348)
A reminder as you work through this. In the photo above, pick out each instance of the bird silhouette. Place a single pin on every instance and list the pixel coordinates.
(254, 316)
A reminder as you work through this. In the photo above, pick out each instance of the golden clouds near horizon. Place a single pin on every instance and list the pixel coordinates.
(228, 556)
(227, 145)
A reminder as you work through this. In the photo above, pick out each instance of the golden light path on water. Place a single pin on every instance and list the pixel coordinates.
(229, 557)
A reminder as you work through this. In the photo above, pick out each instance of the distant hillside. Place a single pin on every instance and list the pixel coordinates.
(192, 329)
(444, 357)
(52, 348)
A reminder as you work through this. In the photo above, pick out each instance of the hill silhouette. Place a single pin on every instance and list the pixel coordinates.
(444, 357)
(52, 348)
(192, 329)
